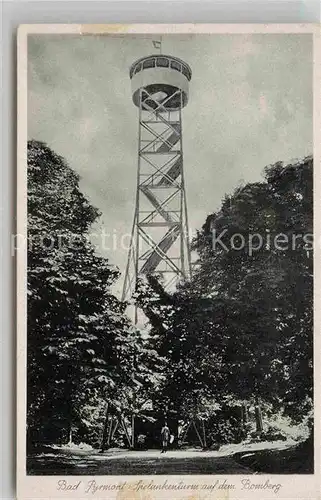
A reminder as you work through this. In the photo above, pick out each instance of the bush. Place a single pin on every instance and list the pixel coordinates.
(224, 431)
(272, 433)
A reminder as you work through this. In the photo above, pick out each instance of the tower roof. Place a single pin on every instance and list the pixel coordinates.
(162, 61)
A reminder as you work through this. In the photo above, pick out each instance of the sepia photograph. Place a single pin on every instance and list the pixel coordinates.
(170, 251)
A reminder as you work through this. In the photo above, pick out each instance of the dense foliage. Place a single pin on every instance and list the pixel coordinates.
(238, 335)
(241, 330)
(81, 345)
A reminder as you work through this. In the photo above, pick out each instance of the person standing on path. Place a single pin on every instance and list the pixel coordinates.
(165, 437)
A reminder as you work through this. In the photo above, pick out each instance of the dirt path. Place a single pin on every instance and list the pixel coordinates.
(135, 464)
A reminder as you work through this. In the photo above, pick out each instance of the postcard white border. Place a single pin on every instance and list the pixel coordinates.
(45, 487)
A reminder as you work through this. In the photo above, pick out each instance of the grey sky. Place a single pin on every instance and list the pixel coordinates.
(250, 105)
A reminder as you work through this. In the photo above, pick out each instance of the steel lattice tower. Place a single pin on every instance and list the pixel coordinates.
(159, 239)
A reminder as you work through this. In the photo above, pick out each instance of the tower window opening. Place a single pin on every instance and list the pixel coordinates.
(138, 68)
(176, 65)
(186, 72)
(149, 63)
(162, 62)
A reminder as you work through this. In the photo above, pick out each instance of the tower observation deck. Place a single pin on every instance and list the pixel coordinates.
(159, 239)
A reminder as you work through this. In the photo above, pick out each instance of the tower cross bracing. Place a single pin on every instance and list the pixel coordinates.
(159, 238)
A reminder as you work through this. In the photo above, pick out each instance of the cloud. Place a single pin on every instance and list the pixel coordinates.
(250, 105)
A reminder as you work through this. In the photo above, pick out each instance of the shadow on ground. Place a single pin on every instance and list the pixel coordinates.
(49, 462)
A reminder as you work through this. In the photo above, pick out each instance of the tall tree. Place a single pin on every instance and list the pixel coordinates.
(269, 285)
(242, 326)
(80, 343)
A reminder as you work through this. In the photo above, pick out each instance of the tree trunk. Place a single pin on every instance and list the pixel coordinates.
(133, 431)
(185, 432)
(244, 414)
(70, 435)
(109, 432)
(114, 429)
(204, 434)
(123, 424)
(198, 434)
(104, 438)
(258, 418)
